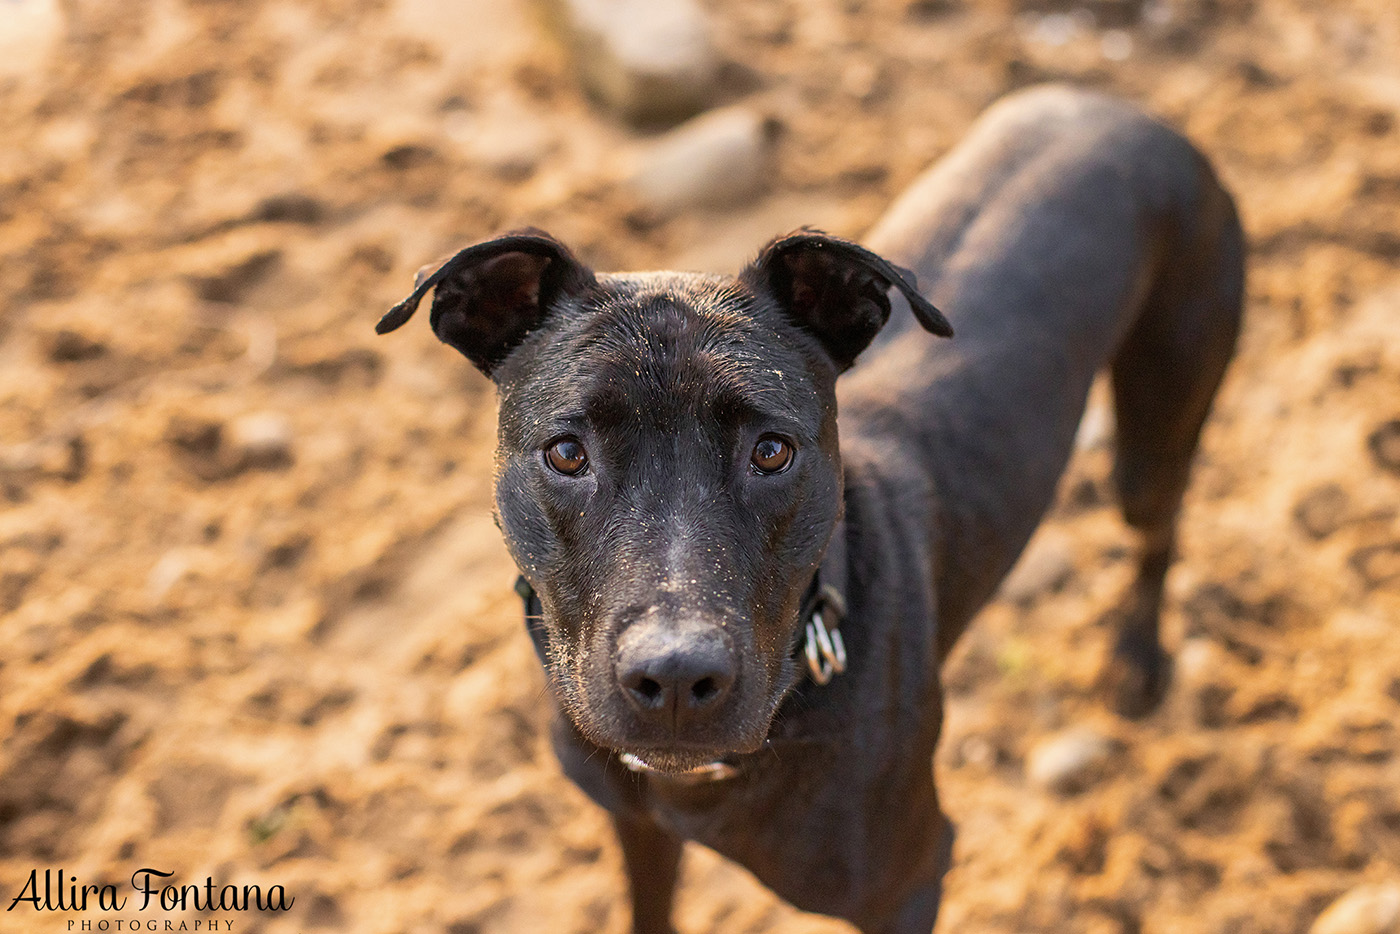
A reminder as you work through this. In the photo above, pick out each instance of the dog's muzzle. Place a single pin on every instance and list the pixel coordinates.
(822, 649)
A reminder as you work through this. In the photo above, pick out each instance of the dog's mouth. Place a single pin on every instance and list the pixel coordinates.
(713, 756)
(583, 684)
(711, 771)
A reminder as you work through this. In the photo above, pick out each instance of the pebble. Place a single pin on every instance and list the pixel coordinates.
(70, 346)
(1378, 565)
(1322, 510)
(1384, 443)
(1117, 45)
(230, 278)
(714, 160)
(261, 440)
(167, 572)
(1366, 909)
(1199, 661)
(646, 60)
(1071, 761)
(1046, 566)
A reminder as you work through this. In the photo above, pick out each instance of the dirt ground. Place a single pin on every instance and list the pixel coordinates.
(257, 623)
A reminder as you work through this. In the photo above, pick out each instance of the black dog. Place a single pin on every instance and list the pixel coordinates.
(703, 557)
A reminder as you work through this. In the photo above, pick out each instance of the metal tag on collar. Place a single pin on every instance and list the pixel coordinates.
(824, 647)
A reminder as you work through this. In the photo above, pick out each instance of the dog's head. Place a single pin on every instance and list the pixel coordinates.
(668, 473)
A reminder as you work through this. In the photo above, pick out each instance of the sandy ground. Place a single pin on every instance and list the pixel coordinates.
(299, 661)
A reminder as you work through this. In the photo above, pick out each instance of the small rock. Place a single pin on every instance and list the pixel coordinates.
(287, 554)
(1322, 510)
(71, 347)
(1378, 565)
(324, 913)
(1046, 566)
(260, 441)
(930, 9)
(1071, 761)
(1356, 625)
(1095, 427)
(408, 156)
(230, 284)
(1366, 909)
(291, 208)
(1199, 661)
(1058, 29)
(1384, 443)
(978, 751)
(714, 160)
(63, 458)
(648, 60)
(1114, 14)
(167, 572)
(198, 442)
(1116, 45)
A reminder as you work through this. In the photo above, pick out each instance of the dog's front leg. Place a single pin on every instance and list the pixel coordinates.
(918, 909)
(653, 859)
(918, 913)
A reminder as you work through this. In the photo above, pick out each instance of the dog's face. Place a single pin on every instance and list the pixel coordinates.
(668, 472)
(668, 461)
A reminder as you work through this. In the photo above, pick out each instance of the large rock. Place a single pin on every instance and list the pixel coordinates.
(648, 60)
(1366, 909)
(715, 160)
(29, 32)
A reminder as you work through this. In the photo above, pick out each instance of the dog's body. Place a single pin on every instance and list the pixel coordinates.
(1068, 233)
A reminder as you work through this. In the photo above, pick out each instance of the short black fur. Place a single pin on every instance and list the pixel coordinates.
(1069, 233)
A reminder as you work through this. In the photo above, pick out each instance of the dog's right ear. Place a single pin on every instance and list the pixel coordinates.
(490, 295)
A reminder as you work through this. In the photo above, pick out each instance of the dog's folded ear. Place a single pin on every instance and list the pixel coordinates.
(837, 290)
(489, 296)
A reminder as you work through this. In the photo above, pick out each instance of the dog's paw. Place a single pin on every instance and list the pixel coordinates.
(1136, 678)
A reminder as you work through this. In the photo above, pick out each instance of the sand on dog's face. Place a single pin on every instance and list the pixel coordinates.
(258, 620)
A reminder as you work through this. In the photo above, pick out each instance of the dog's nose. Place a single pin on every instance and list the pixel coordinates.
(675, 674)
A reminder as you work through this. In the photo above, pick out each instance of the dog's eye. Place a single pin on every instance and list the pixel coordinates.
(567, 456)
(771, 455)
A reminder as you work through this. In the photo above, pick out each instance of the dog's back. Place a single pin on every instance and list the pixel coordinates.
(1068, 232)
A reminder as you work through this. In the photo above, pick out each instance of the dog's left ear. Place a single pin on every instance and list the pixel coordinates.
(489, 296)
(837, 290)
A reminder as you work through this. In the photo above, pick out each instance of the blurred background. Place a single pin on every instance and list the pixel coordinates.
(256, 620)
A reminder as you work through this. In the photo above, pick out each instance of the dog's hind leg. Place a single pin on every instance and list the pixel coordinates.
(653, 859)
(1165, 374)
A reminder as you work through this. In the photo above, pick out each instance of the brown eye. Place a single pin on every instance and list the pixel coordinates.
(567, 456)
(771, 455)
